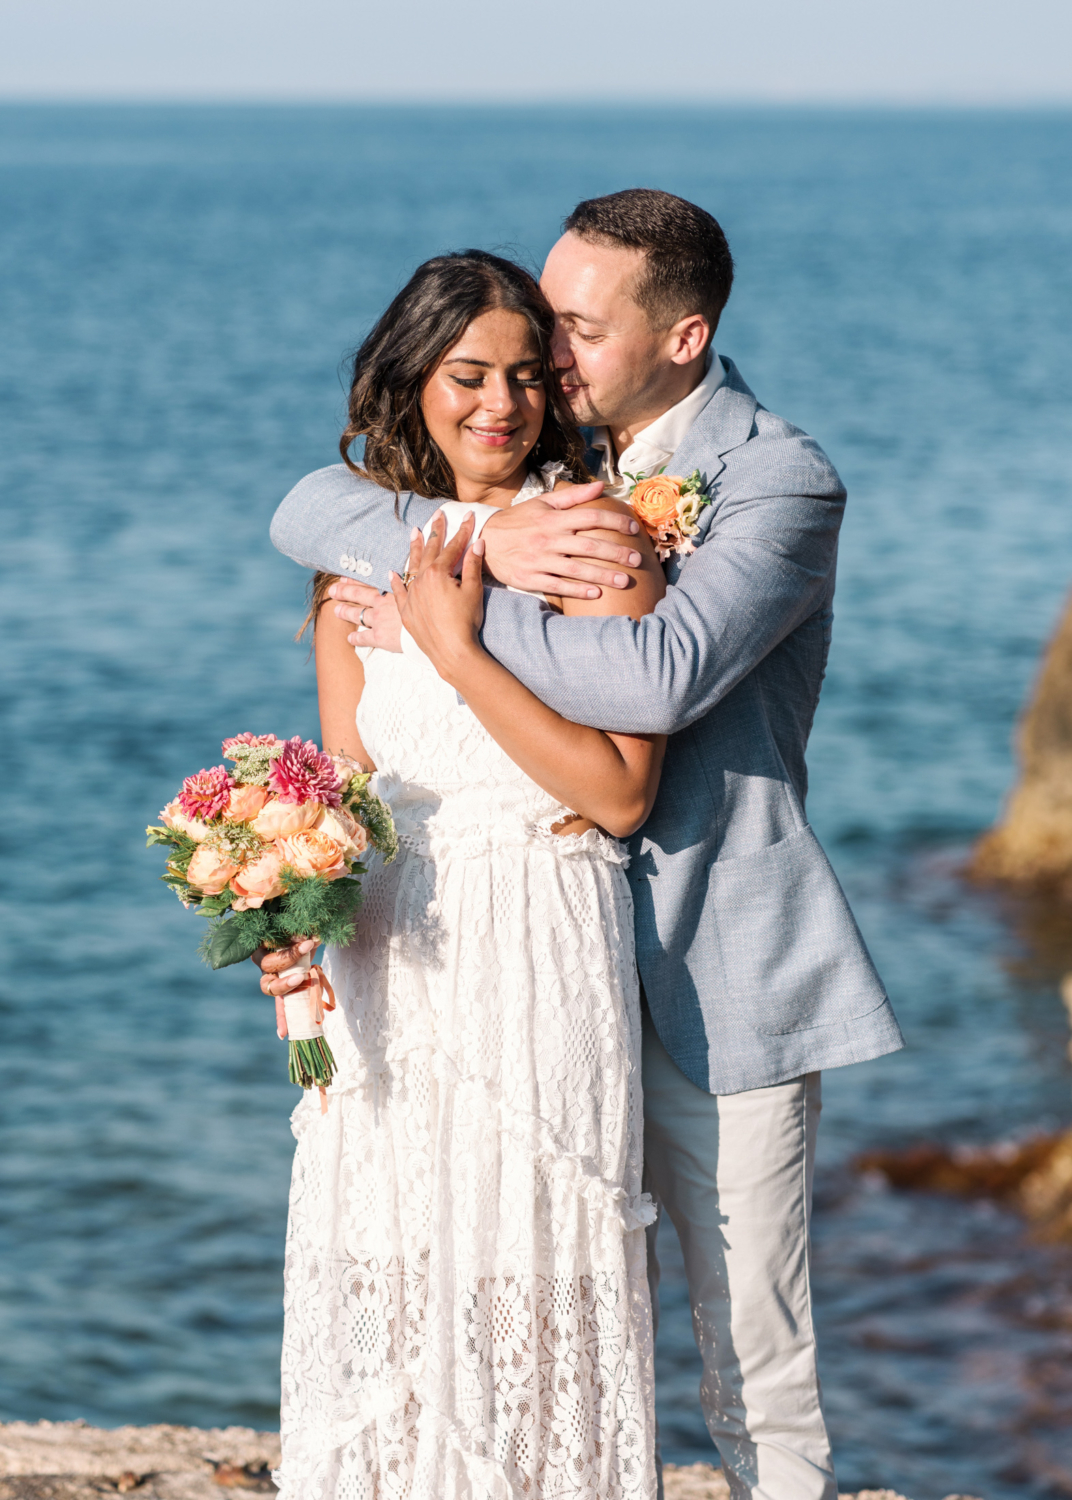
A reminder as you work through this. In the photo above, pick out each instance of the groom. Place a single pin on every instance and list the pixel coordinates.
(754, 974)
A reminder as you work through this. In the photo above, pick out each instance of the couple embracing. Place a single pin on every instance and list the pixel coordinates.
(605, 972)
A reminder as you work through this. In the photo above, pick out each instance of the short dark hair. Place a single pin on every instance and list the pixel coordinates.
(689, 266)
(427, 318)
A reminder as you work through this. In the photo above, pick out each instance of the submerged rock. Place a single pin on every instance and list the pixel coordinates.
(1032, 1176)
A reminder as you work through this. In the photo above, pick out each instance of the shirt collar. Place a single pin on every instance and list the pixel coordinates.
(660, 440)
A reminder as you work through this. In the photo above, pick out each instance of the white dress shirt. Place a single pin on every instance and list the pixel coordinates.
(657, 443)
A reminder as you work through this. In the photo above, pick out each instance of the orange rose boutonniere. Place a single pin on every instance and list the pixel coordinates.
(668, 508)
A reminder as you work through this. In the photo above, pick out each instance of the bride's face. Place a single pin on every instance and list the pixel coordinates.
(484, 402)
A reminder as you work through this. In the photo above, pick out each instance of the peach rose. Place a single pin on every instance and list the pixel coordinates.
(174, 817)
(655, 500)
(337, 823)
(245, 803)
(210, 871)
(314, 853)
(258, 881)
(277, 820)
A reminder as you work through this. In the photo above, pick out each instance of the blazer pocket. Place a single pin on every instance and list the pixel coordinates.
(789, 945)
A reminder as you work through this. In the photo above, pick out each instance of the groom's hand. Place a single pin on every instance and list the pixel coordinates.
(375, 615)
(543, 546)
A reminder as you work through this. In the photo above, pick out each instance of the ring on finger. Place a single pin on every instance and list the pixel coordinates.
(361, 618)
(407, 578)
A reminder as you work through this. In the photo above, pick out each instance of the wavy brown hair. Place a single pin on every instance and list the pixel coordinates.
(426, 319)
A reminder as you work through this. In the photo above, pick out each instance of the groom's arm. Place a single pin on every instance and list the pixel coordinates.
(764, 567)
(336, 522)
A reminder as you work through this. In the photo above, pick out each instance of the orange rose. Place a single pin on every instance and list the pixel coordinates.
(277, 820)
(210, 871)
(314, 853)
(174, 817)
(655, 500)
(337, 823)
(258, 881)
(245, 803)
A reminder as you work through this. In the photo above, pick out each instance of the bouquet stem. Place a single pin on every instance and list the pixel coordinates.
(311, 1062)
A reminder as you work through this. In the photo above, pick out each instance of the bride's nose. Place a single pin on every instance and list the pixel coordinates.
(499, 399)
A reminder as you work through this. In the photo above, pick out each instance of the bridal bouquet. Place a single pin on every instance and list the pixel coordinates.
(668, 508)
(270, 852)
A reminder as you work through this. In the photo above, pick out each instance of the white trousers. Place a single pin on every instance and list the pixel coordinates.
(734, 1172)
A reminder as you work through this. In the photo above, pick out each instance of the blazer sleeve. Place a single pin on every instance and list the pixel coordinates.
(336, 522)
(766, 564)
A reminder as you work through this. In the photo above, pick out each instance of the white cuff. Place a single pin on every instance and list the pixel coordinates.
(456, 513)
(410, 647)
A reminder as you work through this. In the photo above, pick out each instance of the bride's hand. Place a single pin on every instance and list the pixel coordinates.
(442, 613)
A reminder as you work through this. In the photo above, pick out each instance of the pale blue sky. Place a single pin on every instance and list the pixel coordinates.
(849, 51)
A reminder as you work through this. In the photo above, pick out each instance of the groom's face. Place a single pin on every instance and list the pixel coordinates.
(610, 360)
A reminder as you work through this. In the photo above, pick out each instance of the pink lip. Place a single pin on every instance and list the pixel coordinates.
(493, 439)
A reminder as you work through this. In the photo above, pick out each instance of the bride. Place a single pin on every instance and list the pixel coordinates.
(467, 1312)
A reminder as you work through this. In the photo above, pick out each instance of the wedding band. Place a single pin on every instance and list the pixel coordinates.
(361, 618)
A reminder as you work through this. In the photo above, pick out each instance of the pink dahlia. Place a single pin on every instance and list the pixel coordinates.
(206, 794)
(248, 740)
(302, 773)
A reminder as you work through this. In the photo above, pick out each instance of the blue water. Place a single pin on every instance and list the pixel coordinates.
(177, 288)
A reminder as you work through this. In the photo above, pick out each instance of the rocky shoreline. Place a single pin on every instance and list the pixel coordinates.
(73, 1461)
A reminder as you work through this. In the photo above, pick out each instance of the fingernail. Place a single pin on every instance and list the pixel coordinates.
(414, 534)
(593, 594)
(331, 591)
(634, 559)
(634, 527)
(478, 547)
(620, 580)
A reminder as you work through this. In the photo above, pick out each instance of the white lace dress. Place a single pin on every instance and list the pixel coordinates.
(467, 1312)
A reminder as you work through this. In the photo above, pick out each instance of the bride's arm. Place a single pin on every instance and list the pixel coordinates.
(610, 779)
(340, 681)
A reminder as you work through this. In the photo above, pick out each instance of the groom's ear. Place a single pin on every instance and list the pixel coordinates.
(689, 338)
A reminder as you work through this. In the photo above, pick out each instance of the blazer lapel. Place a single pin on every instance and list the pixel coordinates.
(724, 424)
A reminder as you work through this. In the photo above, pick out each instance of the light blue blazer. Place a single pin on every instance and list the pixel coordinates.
(753, 967)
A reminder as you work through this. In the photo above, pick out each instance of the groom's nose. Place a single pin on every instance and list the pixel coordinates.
(561, 352)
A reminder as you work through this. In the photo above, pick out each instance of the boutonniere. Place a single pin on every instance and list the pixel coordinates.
(668, 508)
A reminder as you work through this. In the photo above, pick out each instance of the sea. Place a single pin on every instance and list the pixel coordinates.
(179, 290)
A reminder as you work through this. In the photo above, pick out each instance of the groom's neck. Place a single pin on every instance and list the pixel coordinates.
(670, 384)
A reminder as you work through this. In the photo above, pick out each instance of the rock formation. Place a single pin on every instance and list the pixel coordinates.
(71, 1461)
(1031, 846)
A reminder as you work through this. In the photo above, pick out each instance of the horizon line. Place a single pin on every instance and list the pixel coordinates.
(868, 104)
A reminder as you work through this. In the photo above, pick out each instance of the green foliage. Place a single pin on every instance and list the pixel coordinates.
(316, 907)
(312, 907)
(236, 938)
(374, 814)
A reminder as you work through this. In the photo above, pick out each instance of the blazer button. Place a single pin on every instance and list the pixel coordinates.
(363, 567)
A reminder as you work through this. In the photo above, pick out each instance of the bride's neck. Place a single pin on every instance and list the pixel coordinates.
(480, 492)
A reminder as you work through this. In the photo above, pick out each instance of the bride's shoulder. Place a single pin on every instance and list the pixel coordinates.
(647, 581)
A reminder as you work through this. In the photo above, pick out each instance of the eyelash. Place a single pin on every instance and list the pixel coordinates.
(472, 385)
